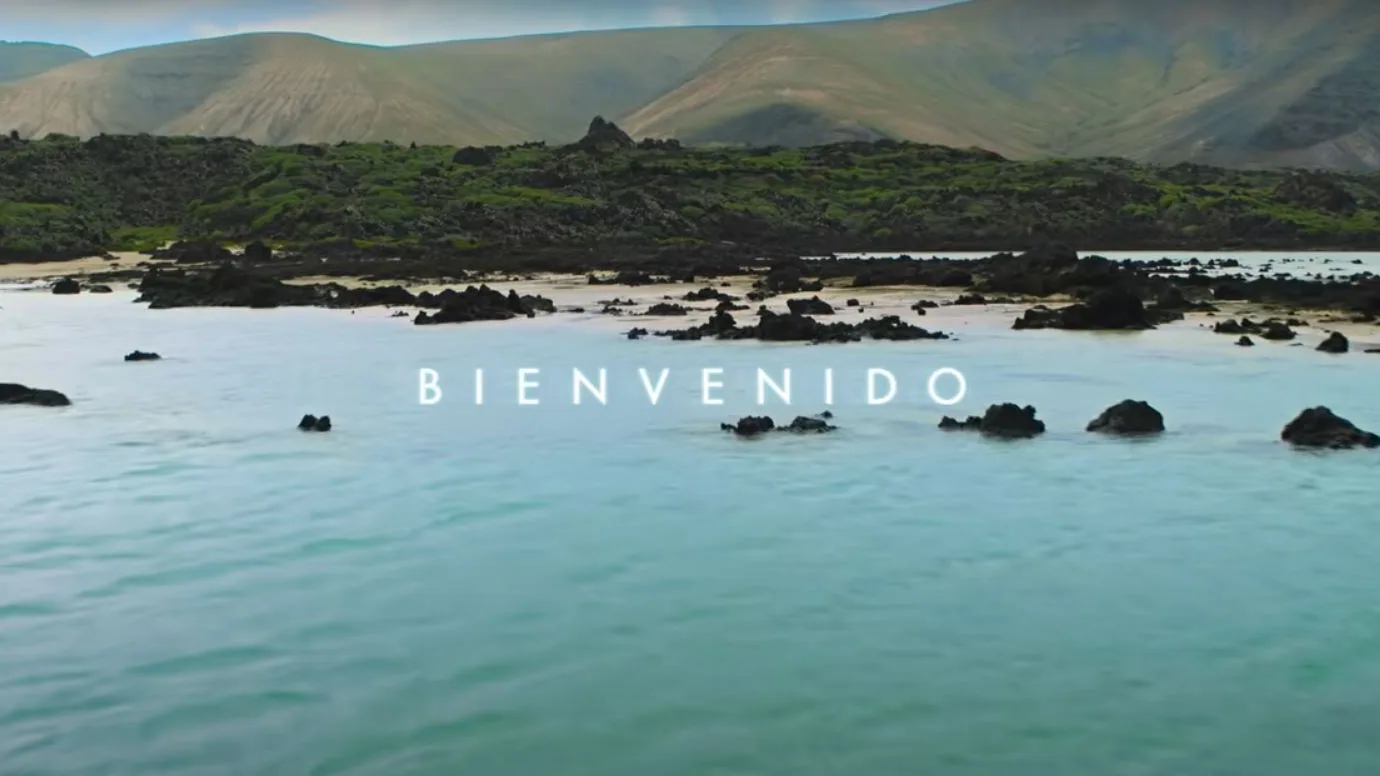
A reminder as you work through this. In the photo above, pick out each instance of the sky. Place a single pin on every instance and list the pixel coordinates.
(101, 26)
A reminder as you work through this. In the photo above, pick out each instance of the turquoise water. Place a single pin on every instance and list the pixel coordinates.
(190, 586)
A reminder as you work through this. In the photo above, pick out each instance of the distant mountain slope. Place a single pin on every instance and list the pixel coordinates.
(1229, 81)
(1234, 82)
(21, 60)
(288, 88)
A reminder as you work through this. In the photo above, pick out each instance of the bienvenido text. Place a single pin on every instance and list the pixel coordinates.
(945, 386)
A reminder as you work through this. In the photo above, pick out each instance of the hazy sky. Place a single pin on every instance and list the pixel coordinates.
(99, 26)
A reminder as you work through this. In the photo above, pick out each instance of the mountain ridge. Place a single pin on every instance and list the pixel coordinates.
(1247, 84)
(21, 59)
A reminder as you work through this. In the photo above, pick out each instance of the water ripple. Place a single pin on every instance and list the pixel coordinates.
(192, 586)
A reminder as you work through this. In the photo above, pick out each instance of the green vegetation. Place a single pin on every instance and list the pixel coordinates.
(60, 197)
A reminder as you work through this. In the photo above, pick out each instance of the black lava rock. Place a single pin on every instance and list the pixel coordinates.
(1335, 343)
(14, 393)
(1319, 427)
(1129, 417)
(313, 423)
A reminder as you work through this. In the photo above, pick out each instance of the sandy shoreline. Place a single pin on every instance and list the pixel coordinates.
(76, 268)
(571, 292)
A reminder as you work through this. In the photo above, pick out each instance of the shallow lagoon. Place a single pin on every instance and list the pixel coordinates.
(191, 586)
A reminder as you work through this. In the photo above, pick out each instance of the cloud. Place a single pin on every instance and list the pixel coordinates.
(671, 15)
(403, 22)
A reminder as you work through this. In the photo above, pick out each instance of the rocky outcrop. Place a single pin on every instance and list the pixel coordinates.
(1272, 329)
(229, 285)
(1319, 427)
(752, 426)
(478, 304)
(314, 424)
(474, 156)
(804, 425)
(971, 423)
(1004, 421)
(1104, 310)
(709, 294)
(1336, 342)
(194, 252)
(14, 393)
(666, 308)
(812, 306)
(66, 286)
(787, 279)
(1245, 342)
(225, 286)
(256, 252)
(604, 137)
(1129, 417)
(140, 355)
(789, 327)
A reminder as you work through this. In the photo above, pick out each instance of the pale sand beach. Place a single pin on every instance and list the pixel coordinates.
(76, 268)
(574, 291)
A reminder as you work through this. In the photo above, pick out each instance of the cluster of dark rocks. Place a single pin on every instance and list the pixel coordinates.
(70, 286)
(1173, 286)
(232, 285)
(1273, 329)
(709, 294)
(1107, 310)
(1279, 331)
(1317, 427)
(756, 425)
(478, 304)
(1005, 421)
(795, 327)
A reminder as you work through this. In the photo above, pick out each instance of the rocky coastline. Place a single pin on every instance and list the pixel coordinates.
(1063, 289)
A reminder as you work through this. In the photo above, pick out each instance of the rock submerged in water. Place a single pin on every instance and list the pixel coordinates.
(1129, 417)
(751, 425)
(66, 286)
(1245, 342)
(99, 289)
(756, 425)
(140, 355)
(1005, 421)
(14, 393)
(1336, 342)
(1319, 427)
(313, 423)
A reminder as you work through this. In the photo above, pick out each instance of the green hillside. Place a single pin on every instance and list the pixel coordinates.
(62, 197)
(19, 60)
